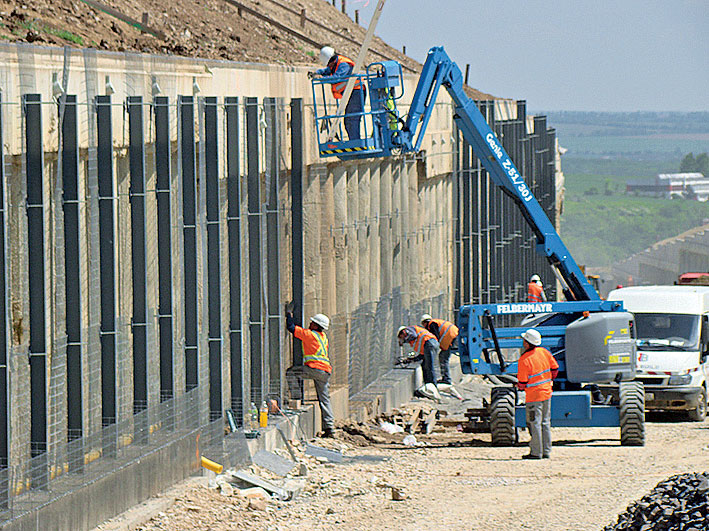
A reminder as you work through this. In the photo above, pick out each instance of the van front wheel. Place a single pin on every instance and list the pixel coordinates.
(700, 413)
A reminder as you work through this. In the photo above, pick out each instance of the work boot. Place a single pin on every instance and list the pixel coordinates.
(530, 456)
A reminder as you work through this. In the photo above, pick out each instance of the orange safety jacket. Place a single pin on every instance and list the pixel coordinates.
(338, 89)
(534, 292)
(314, 348)
(534, 369)
(422, 335)
(447, 332)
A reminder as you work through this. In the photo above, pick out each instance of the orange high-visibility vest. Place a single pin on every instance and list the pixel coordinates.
(338, 89)
(315, 346)
(534, 292)
(534, 367)
(422, 335)
(447, 332)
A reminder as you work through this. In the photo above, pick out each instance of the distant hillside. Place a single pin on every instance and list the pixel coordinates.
(601, 225)
(635, 135)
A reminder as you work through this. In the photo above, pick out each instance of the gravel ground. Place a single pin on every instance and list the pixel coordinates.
(458, 481)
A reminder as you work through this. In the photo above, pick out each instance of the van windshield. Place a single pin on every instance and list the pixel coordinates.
(667, 331)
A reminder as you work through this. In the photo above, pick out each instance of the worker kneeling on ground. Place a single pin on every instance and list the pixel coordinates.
(316, 366)
(340, 66)
(536, 370)
(535, 290)
(426, 346)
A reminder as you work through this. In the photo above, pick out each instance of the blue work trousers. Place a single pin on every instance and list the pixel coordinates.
(354, 106)
(444, 357)
(430, 350)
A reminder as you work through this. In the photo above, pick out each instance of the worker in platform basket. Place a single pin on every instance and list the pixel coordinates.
(536, 371)
(426, 347)
(316, 365)
(447, 335)
(342, 66)
(535, 290)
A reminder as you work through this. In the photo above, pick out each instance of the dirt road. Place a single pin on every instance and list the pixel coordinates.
(458, 481)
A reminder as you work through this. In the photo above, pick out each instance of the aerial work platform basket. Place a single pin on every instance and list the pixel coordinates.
(379, 122)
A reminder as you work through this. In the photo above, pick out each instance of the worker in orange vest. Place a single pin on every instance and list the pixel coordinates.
(341, 66)
(426, 346)
(447, 335)
(316, 366)
(535, 290)
(536, 370)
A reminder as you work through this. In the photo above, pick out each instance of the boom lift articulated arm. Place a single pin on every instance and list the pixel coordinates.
(440, 71)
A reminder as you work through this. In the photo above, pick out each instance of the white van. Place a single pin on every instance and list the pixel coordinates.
(672, 336)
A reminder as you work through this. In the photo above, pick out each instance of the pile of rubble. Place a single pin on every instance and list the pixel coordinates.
(678, 503)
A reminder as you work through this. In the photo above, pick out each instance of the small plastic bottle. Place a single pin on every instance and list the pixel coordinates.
(253, 417)
(263, 416)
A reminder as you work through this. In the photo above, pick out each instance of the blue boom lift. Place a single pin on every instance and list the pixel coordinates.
(592, 339)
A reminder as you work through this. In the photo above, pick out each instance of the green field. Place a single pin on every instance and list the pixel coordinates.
(602, 225)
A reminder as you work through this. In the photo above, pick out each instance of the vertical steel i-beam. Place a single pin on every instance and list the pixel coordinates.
(107, 253)
(211, 146)
(72, 265)
(136, 150)
(37, 299)
(4, 381)
(465, 226)
(457, 210)
(189, 219)
(164, 243)
(231, 105)
(254, 216)
(297, 215)
(273, 284)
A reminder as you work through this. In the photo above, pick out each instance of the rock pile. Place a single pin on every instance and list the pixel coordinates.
(680, 503)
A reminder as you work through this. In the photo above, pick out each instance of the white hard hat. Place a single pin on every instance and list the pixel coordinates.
(425, 317)
(535, 278)
(532, 336)
(322, 320)
(326, 52)
(400, 330)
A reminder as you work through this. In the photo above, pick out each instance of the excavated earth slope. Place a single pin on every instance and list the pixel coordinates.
(212, 29)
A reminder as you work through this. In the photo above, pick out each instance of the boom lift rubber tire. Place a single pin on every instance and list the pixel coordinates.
(632, 414)
(502, 416)
(700, 412)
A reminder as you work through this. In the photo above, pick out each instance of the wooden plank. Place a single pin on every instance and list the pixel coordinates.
(413, 421)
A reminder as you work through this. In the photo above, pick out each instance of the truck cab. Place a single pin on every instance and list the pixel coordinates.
(672, 338)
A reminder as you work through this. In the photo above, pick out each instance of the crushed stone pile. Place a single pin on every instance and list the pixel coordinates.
(680, 503)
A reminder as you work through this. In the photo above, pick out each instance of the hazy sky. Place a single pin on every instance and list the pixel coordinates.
(601, 55)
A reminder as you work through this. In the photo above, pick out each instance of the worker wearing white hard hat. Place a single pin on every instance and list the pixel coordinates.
(447, 335)
(316, 365)
(536, 370)
(535, 290)
(341, 66)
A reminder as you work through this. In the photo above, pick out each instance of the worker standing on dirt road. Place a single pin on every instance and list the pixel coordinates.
(316, 366)
(341, 66)
(426, 345)
(535, 290)
(447, 335)
(536, 370)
